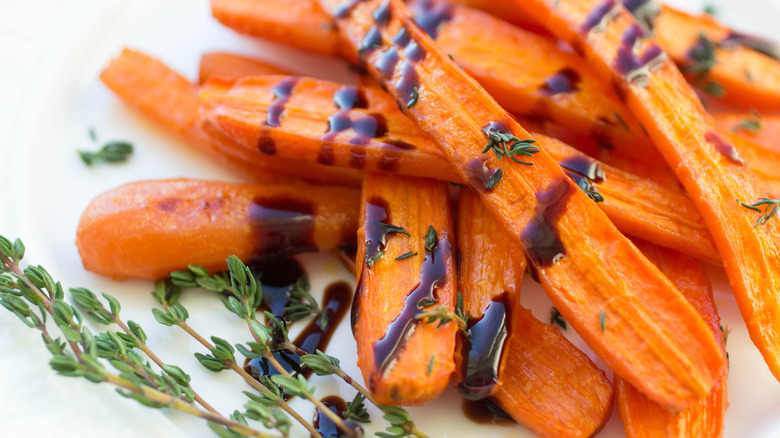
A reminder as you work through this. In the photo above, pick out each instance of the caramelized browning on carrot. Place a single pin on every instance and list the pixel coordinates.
(640, 325)
(233, 66)
(405, 267)
(643, 418)
(171, 101)
(148, 229)
(705, 161)
(571, 397)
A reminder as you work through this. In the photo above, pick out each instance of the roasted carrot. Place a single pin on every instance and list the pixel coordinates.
(643, 418)
(763, 130)
(234, 66)
(705, 161)
(170, 100)
(511, 354)
(405, 267)
(654, 338)
(148, 229)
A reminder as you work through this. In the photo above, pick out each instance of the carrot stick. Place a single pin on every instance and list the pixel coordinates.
(643, 418)
(148, 229)
(405, 267)
(705, 161)
(170, 100)
(571, 396)
(234, 66)
(763, 130)
(654, 338)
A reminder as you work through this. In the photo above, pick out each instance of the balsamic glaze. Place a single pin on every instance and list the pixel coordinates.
(600, 16)
(486, 412)
(315, 336)
(281, 93)
(377, 212)
(585, 166)
(402, 37)
(645, 11)
(760, 45)
(496, 126)
(432, 273)
(726, 149)
(430, 15)
(408, 82)
(565, 81)
(366, 127)
(540, 237)
(278, 279)
(282, 226)
(386, 62)
(344, 8)
(382, 14)
(265, 143)
(323, 424)
(371, 41)
(349, 97)
(484, 346)
(477, 170)
(631, 65)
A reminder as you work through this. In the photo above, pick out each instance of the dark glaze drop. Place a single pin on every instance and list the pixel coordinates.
(631, 65)
(565, 81)
(430, 15)
(325, 426)
(344, 8)
(382, 14)
(370, 42)
(377, 211)
(282, 226)
(281, 93)
(315, 336)
(350, 97)
(585, 166)
(540, 237)
(402, 37)
(496, 126)
(278, 279)
(599, 16)
(407, 82)
(366, 127)
(477, 170)
(265, 143)
(722, 146)
(386, 62)
(484, 346)
(432, 273)
(486, 412)
(760, 45)
(645, 11)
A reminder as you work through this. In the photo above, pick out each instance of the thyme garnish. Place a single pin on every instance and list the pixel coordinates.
(505, 144)
(111, 152)
(621, 121)
(557, 319)
(603, 320)
(443, 315)
(494, 179)
(770, 209)
(406, 255)
(586, 186)
(391, 229)
(703, 56)
(430, 364)
(714, 89)
(749, 124)
(413, 100)
(431, 239)
(710, 10)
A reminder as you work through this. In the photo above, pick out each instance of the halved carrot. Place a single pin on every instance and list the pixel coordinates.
(652, 336)
(763, 130)
(171, 100)
(230, 65)
(405, 262)
(643, 418)
(512, 354)
(705, 161)
(148, 229)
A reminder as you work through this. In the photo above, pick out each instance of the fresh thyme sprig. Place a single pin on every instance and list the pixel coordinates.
(586, 186)
(111, 152)
(769, 206)
(505, 144)
(750, 124)
(703, 56)
(443, 315)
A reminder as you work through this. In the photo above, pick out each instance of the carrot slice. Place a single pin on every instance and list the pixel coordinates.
(171, 100)
(405, 266)
(543, 209)
(643, 418)
(763, 130)
(229, 65)
(571, 396)
(705, 162)
(148, 229)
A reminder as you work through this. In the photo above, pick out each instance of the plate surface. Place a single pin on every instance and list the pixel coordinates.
(51, 52)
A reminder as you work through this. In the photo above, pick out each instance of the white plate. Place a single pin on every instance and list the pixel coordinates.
(51, 52)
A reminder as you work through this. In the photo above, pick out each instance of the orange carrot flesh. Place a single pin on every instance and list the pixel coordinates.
(705, 162)
(571, 397)
(545, 212)
(148, 229)
(401, 273)
(643, 418)
(170, 100)
(763, 130)
(229, 65)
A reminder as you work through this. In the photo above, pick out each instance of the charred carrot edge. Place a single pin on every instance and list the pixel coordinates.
(170, 100)
(705, 162)
(405, 262)
(230, 65)
(571, 396)
(543, 209)
(148, 229)
(643, 418)
(761, 129)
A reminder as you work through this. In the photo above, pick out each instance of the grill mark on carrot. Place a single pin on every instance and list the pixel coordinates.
(585, 166)
(565, 81)
(430, 15)
(168, 205)
(484, 347)
(600, 16)
(432, 272)
(399, 144)
(634, 67)
(540, 237)
(477, 169)
(726, 149)
(281, 95)
(283, 226)
(388, 162)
